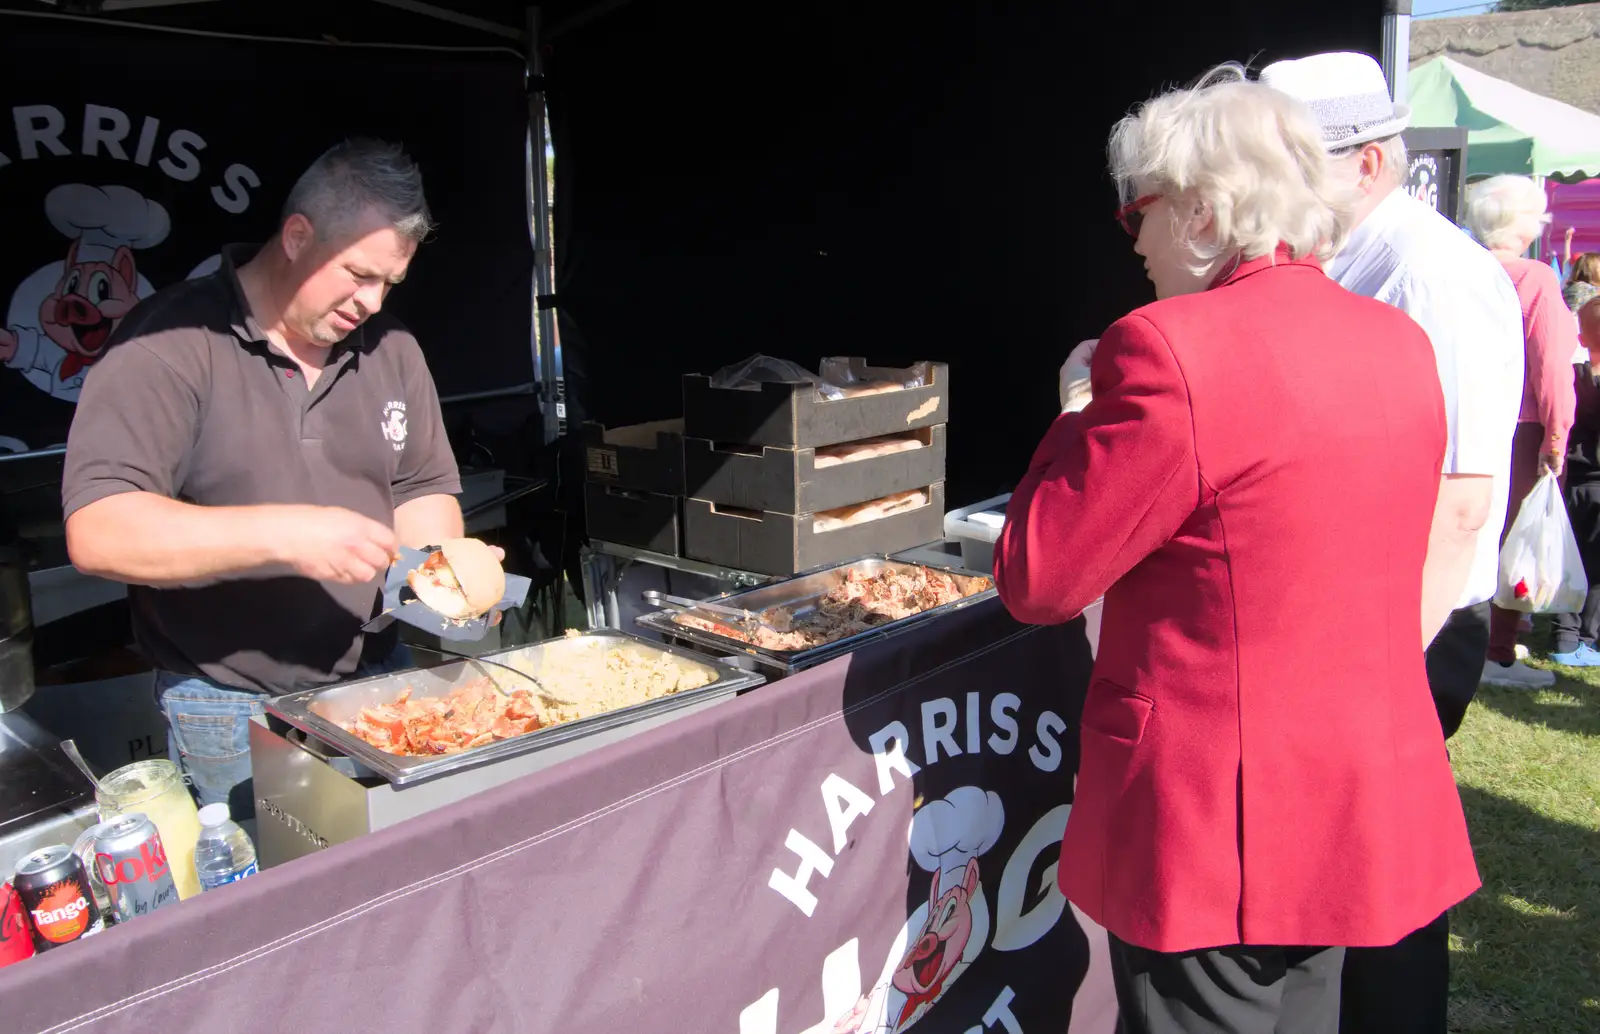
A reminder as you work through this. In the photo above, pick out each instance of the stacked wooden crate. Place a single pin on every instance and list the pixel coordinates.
(779, 479)
(633, 487)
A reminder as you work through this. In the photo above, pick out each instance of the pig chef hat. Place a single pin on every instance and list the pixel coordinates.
(948, 833)
(103, 219)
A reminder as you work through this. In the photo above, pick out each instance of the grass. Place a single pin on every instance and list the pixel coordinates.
(1526, 948)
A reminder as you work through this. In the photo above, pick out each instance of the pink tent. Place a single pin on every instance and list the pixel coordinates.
(1576, 205)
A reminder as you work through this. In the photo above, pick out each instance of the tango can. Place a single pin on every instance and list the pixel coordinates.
(130, 860)
(16, 937)
(57, 897)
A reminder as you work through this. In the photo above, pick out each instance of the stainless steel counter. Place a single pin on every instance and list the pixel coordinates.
(43, 799)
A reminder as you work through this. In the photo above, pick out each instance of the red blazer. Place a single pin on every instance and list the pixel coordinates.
(1251, 490)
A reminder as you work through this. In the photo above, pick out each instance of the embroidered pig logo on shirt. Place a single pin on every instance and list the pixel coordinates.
(394, 425)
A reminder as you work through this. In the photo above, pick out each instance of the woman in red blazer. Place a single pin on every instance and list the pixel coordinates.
(1253, 479)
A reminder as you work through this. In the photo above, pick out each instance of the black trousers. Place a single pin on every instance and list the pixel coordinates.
(1401, 989)
(1240, 989)
(1455, 664)
(1583, 510)
(1405, 988)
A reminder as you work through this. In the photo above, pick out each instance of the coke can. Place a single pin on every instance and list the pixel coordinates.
(56, 895)
(132, 863)
(16, 939)
(83, 847)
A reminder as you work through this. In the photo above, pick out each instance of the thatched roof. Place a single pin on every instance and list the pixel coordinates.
(1555, 52)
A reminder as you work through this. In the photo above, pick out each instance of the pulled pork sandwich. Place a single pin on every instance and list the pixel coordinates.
(460, 580)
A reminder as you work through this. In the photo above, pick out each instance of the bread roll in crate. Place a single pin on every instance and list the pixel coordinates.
(774, 543)
(805, 480)
(766, 401)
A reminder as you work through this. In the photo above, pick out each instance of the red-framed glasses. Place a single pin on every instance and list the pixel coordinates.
(1131, 215)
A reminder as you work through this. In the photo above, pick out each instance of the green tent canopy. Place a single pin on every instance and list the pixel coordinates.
(1509, 129)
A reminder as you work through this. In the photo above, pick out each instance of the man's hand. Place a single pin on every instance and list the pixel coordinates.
(1551, 462)
(330, 544)
(1075, 394)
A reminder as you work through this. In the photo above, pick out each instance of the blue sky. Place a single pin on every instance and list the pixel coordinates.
(1454, 8)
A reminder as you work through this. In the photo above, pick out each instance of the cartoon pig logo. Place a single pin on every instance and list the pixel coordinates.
(87, 305)
(62, 317)
(946, 837)
(940, 946)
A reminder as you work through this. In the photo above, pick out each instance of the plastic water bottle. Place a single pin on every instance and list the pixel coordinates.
(224, 852)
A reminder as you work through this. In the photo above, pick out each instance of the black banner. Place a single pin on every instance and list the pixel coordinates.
(130, 156)
(1437, 168)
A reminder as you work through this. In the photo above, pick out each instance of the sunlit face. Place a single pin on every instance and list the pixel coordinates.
(1589, 327)
(1167, 261)
(341, 282)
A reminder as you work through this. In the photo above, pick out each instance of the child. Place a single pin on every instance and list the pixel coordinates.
(1576, 633)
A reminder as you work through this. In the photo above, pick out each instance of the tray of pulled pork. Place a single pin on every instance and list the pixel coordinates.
(798, 622)
(420, 724)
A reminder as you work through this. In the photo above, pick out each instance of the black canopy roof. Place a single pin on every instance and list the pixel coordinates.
(904, 181)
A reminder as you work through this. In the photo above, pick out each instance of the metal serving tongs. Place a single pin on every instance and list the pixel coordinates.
(548, 697)
(744, 620)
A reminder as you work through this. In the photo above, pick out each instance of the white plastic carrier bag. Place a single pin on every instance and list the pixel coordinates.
(1541, 570)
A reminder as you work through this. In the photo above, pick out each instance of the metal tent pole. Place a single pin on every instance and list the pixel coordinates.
(546, 348)
(1396, 57)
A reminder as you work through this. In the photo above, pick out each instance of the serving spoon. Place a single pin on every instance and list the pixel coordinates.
(70, 749)
(545, 694)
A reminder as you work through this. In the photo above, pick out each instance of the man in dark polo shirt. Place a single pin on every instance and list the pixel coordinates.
(250, 452)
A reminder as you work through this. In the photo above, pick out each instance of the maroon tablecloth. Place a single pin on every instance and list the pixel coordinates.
(761, 867)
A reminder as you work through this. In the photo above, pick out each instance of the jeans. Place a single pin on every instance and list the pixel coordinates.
(208, 731)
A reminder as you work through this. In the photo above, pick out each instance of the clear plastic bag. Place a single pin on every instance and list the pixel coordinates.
(1541, 570)
(762, 369)
(840, 378)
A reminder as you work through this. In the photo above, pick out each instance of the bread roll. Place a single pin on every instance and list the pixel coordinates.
(461, 580)
(869, 448)
(861, 513)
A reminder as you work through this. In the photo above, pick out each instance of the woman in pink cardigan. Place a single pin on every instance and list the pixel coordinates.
(1507, 214)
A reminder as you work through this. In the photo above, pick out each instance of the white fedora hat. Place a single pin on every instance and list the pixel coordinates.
(1346, 92)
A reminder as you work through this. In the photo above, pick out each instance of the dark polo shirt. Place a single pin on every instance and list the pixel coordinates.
(192, 402)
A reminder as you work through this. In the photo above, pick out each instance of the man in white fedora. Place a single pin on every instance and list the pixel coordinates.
(1403, 252)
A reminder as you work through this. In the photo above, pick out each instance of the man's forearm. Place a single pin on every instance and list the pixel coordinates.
(1460, 513)
(428, 520)
(146, 539)
(1444, 578)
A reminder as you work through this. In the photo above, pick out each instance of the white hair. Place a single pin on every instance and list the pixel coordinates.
(1252, 156)
(1506, 212)
(1396, 162)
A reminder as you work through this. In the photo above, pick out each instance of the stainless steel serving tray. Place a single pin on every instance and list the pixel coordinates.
(800, 594)
(317, 712)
